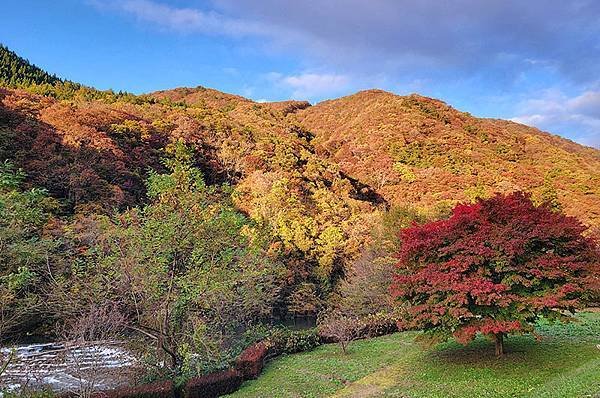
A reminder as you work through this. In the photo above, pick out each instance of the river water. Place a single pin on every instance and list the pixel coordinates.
(67, 368)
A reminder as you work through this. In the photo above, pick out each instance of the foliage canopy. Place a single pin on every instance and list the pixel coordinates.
(494, 267)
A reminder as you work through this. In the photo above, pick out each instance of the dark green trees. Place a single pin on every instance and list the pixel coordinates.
(188, 271)
(16, 71)
(23, 250)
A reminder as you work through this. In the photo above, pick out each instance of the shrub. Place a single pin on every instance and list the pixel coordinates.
(162, 389)
(285, 341)
(348, 328)
(251, 360)
(339, 328)
(213, 385)
(299, 341)
(378, 324)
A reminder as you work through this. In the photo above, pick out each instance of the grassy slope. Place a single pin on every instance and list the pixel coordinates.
(565, 364)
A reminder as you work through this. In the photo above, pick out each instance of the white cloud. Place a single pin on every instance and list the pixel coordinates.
(587, 104)
(185, 20)
(460, 36)
(576, 116)
(400, 36)
(311, 85)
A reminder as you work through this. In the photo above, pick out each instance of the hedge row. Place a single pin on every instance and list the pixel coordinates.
(213, 385)
(250, 363)
(208, 386)
(162, 389)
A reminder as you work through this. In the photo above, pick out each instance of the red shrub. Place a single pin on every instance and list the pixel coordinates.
(213, 385)
(162, 389)
(251, 360)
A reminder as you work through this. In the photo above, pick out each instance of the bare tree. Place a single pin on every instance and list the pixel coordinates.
(84, 339)
(340, 328)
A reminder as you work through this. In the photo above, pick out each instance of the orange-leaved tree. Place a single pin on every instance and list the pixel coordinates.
(494, 267)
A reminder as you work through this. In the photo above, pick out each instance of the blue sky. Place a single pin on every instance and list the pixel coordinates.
(536, 62)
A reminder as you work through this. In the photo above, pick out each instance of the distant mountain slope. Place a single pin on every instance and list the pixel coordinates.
(16, 71)
(203, 96)
(418, 150)
(93, 148)
(94, 154)
(199, 96)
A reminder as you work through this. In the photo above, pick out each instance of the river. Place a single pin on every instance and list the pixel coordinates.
(66, 367)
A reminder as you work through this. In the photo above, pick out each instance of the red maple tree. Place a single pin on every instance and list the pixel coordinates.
(494, 267)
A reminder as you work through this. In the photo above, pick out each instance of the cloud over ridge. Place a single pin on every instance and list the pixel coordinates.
(505, 48)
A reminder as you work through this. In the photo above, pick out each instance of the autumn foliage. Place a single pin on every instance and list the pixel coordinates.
(420, 151)
(268, 211)
(494, 267)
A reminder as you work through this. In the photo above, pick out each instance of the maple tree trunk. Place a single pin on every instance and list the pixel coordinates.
(499, 339)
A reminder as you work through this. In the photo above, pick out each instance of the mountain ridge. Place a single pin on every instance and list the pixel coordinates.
(405, 150)
(15, 70)
(408, 147)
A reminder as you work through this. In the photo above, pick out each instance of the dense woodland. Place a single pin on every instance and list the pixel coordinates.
(14, 71)
(195, 216)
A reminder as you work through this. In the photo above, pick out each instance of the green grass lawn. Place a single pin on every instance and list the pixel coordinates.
(566, 363)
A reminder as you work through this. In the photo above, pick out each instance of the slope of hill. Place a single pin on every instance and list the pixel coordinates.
(418, 150)
(406, 150)
(304, 187)
(199, 96)
(314, 173)
(94, 156)
(16, 71)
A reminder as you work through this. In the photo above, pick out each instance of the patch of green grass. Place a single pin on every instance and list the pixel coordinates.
(566, 363)
(323, 371)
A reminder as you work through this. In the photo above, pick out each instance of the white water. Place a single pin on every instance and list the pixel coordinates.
(64, 368)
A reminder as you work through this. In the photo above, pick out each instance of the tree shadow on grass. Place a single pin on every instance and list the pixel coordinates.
(519, 350)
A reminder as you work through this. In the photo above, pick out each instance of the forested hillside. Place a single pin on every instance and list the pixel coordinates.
(421, 151)
(210, 209)
(16, 71)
